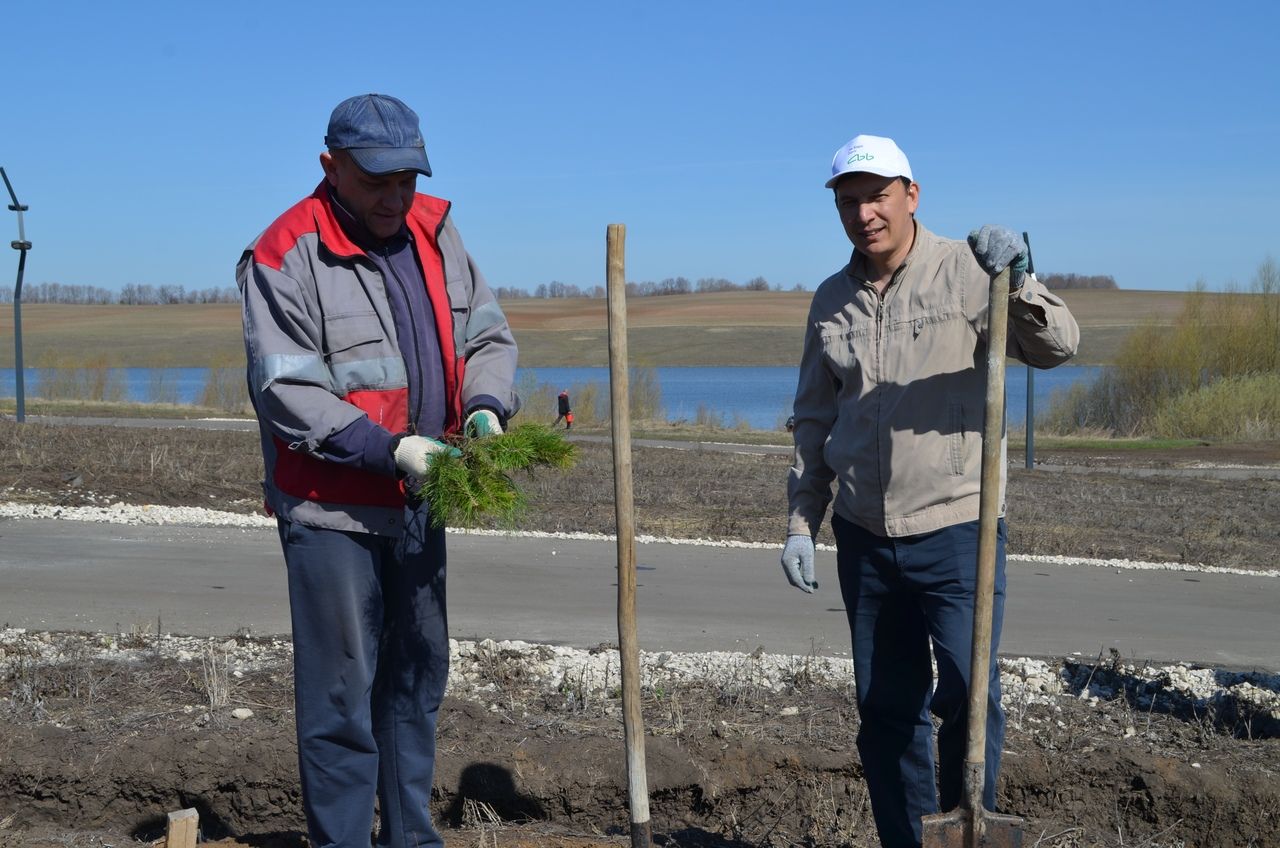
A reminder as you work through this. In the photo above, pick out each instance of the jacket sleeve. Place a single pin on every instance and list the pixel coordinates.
(1042, 331)
(486, 341)
(809, 479)
(289, 382)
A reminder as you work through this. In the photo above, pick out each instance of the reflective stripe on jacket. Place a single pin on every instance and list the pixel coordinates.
(322, 352)
(892, 389)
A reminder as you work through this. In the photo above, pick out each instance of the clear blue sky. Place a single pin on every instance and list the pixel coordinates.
(153, 140)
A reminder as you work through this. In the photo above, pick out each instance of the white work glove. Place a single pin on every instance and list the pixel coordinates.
(483, 422)
(797, 562)
(413, 454)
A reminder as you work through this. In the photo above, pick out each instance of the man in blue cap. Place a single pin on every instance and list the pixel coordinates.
(371, 340)
(889, 407)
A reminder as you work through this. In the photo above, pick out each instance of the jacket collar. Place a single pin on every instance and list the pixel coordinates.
(423, 220)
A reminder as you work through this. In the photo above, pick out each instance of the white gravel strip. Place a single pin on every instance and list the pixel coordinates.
(194, 516)
(481, 670)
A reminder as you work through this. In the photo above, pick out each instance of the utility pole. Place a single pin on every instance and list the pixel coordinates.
(22, 246)
(1031, 378)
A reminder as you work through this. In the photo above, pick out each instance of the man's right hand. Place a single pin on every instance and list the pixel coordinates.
(413, 454)
(797, 562)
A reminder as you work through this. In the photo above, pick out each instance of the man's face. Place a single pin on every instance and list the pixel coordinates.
(380, 203)
(876, 212)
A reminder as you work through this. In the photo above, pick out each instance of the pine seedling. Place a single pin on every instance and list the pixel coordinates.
(461, 489)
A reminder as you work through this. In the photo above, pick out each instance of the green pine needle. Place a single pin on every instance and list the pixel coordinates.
(459, 490)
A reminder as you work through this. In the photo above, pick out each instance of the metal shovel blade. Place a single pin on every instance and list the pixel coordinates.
(962, 828)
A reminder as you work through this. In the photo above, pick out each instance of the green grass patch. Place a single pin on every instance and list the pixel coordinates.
(1236, 408)
(1088, 443)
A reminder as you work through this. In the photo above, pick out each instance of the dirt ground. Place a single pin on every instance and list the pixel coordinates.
(95, 752)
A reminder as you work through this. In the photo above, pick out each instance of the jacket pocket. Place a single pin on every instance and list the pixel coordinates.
(456, 290)
(849, 348)
(350, 330)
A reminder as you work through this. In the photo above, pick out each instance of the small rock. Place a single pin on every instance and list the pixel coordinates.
(789, 711)
(242, 713)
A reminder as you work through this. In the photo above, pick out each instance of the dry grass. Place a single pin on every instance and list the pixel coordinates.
(187, 335)
(70, 463)
(740, 328)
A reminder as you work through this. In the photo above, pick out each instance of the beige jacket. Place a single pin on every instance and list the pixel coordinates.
(892, 389)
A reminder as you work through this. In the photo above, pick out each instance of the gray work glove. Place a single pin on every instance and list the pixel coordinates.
(483, 422)
(995, 247)
(413, 454)
(797, 562)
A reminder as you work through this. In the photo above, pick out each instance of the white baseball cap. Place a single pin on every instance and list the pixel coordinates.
(871, 154)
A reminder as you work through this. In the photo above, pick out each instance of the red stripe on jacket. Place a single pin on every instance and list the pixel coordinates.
(302, 475)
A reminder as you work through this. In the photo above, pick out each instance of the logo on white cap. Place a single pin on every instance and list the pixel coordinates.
(871, 154)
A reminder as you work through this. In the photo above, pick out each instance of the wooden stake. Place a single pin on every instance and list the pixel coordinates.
(628, 643)
(182, 829)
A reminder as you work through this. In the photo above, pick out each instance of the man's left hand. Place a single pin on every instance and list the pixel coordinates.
(483, 422)
(996, 247)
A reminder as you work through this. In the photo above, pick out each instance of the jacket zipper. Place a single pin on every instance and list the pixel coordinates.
(457, 351)
(884, 506)
(413, 326)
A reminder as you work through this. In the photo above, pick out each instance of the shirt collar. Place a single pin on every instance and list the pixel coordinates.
(857, 267)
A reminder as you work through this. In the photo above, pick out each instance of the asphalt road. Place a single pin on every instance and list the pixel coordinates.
(101, 577)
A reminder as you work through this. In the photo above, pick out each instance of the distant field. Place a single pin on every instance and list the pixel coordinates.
(729, 328)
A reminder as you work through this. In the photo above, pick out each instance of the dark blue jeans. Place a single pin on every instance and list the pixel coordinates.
(903, 595)
(371, 660)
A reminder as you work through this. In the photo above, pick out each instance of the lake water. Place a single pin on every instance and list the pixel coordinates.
(761, 396)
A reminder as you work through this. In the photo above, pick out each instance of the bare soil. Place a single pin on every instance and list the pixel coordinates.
(94, 753)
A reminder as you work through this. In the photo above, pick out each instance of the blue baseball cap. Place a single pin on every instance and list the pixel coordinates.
(380, 133)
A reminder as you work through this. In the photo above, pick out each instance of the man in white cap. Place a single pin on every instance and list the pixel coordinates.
(889, 406)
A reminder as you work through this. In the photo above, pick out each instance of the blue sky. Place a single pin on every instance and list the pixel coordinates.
(152, 141)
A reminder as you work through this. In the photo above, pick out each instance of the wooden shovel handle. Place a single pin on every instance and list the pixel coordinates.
(988, 526)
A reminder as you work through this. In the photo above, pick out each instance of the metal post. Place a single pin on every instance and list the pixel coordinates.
(1031, 381)
(22, 246)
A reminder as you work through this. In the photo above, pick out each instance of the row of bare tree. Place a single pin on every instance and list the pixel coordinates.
(130, 295)
(147, 295)
(648, 288)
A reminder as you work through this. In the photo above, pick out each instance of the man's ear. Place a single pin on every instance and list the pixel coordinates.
(330, 167)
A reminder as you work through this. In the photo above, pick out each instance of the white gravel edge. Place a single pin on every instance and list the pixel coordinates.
(194, 516)
(583, 676)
